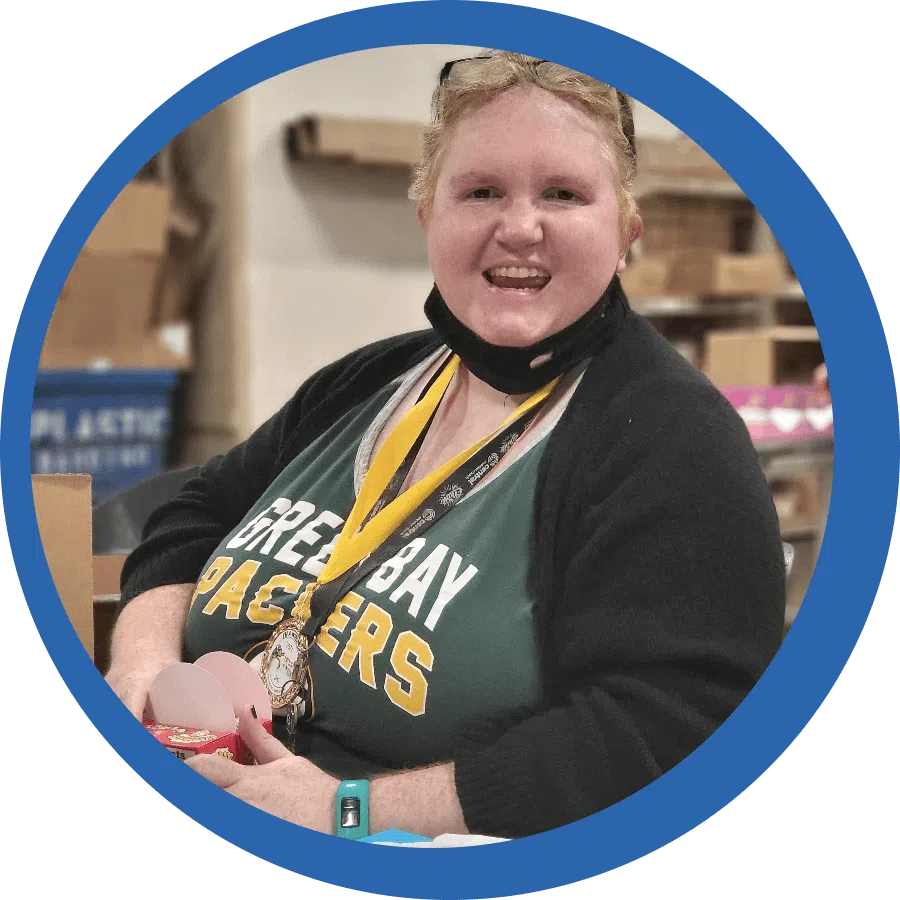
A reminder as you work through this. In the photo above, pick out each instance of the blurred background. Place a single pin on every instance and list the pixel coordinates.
(274, 235)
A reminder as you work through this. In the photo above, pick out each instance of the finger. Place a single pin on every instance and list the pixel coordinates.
(220, 771)
(134, 698)
(261, 744)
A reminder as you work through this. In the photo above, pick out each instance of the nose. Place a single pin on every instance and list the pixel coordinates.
(519, 226)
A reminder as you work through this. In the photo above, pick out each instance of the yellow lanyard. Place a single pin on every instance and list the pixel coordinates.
(354, 543)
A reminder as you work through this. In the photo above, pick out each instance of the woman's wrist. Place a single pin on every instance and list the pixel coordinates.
(421, 801)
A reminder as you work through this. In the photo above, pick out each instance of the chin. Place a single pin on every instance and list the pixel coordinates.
(511, 331)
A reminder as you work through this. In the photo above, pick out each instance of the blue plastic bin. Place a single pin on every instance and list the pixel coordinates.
(113, 425)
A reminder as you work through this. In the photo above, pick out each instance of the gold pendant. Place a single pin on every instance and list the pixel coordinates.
(285, 663)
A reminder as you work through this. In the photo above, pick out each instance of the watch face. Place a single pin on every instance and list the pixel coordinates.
(284, 664)
(350, 812)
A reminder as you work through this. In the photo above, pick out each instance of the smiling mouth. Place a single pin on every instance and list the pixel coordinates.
(519, 279)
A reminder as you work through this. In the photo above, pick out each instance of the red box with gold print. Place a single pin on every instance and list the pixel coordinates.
(188, 742)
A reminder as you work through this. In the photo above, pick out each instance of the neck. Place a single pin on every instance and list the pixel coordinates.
(475, 403)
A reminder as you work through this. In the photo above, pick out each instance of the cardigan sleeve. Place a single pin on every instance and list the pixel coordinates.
(180, 536)
(666, 602)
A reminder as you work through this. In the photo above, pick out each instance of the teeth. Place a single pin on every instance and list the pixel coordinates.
(515, 272)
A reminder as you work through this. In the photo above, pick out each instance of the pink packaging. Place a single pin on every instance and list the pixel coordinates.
(819, 414)
(753, 409)
(783, 412)
(787, 412)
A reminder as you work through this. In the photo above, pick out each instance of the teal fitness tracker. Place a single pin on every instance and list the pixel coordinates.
(351, 809)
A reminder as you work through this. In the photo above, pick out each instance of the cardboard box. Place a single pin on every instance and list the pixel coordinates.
(62, 504)
(364, 141)
(646, 278)
(762, 357)
(676, 156)
(107, 571)
(188, 742)
(105, 312)
(180, 273)
(399, 143)
(205, 698)
(136, 222)
(153, 351)
(797, 499)
(700, 273)
(678, 223)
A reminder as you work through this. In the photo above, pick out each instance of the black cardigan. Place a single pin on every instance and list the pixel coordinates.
(657, 568)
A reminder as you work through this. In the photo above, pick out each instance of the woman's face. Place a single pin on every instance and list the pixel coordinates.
(524, 235)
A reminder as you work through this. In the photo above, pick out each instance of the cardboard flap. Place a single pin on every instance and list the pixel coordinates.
(242, 683)
(136, 222)
(192, 697)
(62, 504)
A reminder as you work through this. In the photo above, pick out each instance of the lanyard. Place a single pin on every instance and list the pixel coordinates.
(398, 519)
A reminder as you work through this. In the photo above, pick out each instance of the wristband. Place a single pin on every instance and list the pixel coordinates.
(351, 809)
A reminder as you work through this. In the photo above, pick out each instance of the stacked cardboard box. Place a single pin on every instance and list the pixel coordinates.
(107, 315)
(679, 157)
(749, 357)
(381, 142)
(767, 374)
(673, 223)
(702, 273)
(62, 505)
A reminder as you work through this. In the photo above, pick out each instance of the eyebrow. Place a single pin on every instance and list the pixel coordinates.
(475, 175)
(483, 177)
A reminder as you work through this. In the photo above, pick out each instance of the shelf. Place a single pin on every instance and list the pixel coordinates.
(688, 306)
(800, 529)
(793, 464)
(791, 292)
(354, 141)
(814, 446)
(671, 167)
(648, 184)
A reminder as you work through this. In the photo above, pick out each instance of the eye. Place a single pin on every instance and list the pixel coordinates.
(562, 194)
(483, 193)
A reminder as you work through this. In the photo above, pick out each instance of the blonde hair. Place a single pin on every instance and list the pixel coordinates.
(472, 83)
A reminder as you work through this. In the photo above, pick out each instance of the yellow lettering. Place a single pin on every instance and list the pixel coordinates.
(231, 594)
(211, 578)
(337, 622)
(366, 641)
(412, 700)
(259, 611)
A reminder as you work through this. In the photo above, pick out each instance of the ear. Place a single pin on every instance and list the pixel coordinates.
(637, 229)
(420, 215)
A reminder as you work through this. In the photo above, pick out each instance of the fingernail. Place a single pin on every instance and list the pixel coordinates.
(253, 712)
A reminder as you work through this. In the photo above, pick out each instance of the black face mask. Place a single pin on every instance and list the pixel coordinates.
(508, 369)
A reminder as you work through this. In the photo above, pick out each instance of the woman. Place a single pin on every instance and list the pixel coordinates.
(555, 617)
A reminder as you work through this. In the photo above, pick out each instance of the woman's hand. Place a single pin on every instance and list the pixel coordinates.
(146, 639)
(284, 785)
(132, 686)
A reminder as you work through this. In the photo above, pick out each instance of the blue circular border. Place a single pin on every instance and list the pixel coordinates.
(865, 468)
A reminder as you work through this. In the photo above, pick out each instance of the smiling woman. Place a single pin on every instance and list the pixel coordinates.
(523, 234)
(511, 569)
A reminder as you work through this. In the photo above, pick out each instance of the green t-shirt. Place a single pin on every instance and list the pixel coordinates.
(441, 633)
